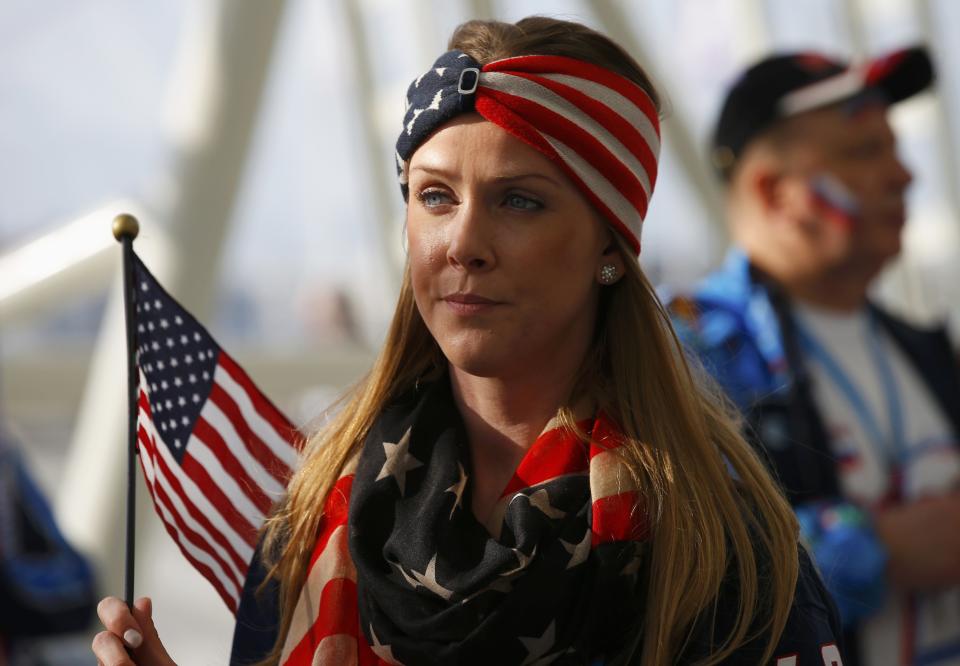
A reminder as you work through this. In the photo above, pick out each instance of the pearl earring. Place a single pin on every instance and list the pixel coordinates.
(608, 274)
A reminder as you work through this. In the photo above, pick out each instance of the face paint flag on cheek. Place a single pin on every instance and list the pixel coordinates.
(833, 199)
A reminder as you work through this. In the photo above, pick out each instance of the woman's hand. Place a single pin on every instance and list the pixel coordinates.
(130, 637)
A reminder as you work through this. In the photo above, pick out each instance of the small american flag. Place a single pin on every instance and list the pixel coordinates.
(216, 453)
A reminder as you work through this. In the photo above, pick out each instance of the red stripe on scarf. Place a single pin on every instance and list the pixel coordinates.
(555, 453)
(335, 513)
(619, 518)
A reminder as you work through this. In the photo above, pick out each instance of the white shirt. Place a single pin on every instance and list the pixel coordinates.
(851, 347)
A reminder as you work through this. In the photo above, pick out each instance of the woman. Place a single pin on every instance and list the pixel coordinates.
(529, 474)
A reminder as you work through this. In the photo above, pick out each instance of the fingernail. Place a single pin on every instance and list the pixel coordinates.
(132, 638)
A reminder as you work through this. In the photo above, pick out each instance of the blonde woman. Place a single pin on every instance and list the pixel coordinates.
(529, 473)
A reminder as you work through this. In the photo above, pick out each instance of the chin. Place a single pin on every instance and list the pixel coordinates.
(485, 358)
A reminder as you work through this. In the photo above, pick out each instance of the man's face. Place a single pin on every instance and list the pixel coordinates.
(850, 153)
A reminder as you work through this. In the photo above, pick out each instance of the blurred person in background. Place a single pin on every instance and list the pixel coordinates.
(529, 473)
(857, 410)
(46, 587)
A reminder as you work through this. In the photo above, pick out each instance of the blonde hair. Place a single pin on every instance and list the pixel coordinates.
(712, 504)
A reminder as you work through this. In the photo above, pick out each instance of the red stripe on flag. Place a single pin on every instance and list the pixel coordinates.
(199, 475)
(158, 496)
(203, 569)
(188, 534)
(260, 451)
(160, 466)
(554, 454)
(337, 614)
(619, 518)
(264, 407)
(207, 434)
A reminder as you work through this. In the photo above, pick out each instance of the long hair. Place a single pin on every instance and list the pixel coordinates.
(714, 509)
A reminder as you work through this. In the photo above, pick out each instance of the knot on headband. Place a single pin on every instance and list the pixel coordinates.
(601, 128)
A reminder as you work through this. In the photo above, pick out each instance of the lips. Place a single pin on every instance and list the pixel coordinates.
(468, 299)
(469, 304)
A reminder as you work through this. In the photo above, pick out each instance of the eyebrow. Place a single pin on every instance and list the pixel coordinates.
(435, 171)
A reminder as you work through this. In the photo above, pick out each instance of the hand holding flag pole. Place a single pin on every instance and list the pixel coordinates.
(125, 230)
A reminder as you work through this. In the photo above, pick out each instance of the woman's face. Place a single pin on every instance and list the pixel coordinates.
(504, 253)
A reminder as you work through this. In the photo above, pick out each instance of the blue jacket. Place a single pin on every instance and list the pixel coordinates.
(739, 325)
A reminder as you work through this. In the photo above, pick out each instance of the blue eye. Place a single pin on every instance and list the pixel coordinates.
(521, 202)
(433, 198)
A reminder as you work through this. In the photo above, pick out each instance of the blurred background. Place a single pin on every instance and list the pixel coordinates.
(253, 139)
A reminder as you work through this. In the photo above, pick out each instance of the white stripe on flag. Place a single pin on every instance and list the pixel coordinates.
(155, 476)
(225, 427)
(196, 497)
(616, 102)
(534, 92)
(605, 191)
(228, 583)
(197, 448)
(263, 428)
(184, 513)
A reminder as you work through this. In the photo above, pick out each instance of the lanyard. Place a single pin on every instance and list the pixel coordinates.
(893, 446)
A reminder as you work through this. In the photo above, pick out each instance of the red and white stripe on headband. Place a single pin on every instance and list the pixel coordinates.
(601, 128)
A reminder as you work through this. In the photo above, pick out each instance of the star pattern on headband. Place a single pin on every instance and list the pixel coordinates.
(433, 106)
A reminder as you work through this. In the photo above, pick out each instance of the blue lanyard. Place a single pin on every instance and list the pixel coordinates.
(893, 447)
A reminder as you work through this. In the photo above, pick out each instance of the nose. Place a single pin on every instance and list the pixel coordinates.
(470, 243)
(901, 176)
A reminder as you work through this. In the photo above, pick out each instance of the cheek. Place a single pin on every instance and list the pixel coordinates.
(426, 253)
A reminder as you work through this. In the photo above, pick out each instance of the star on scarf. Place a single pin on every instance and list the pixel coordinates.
(385, 652)
(457, 490)
(538, 647)
(428, 579)
(579, 552)
(541, 500)
(399, 461)
(522, 560)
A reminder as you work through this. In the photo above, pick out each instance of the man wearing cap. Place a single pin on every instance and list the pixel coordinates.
(857, 411)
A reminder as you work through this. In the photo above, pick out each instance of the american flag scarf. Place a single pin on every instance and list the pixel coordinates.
(601, 128)
(402, 572)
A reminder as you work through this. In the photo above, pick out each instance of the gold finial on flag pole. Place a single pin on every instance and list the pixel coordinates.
(125, 225)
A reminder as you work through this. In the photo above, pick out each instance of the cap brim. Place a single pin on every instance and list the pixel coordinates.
(901, 74)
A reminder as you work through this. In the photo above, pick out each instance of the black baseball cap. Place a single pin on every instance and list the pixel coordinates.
(783, 85)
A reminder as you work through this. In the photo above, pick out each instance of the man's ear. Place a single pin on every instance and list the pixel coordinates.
(781, 194)
(766, 184)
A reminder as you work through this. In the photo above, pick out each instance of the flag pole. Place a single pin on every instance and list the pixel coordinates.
(125, 229)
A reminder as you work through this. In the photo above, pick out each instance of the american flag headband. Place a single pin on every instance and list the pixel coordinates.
(601, 128)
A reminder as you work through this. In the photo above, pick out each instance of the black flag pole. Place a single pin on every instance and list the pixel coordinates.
(125, 229)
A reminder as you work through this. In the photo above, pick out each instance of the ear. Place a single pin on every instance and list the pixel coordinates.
(783, 195)
(611, 265)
